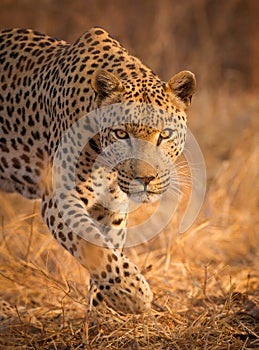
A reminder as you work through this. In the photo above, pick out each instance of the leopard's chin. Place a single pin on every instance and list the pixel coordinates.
(144, 197)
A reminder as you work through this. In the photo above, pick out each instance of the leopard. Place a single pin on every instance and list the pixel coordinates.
(52, 94)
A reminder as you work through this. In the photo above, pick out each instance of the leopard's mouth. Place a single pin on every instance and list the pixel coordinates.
(141, 192)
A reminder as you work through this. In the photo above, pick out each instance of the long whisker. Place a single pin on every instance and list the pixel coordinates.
(188, 165)
(180, 178)
(176, 191)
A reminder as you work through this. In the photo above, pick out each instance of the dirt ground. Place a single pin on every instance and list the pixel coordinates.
(206, 280)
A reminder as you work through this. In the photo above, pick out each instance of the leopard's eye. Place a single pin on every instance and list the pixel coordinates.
(167, 134)
(121, 134)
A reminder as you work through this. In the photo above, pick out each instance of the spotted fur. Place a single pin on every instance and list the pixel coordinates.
(46, 85)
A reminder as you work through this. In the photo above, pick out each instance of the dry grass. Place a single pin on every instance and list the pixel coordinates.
(205, 282)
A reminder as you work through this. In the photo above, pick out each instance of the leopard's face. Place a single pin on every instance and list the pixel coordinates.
(142, 134)
(145, 170)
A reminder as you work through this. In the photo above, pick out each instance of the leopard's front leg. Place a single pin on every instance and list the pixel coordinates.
(119, 279)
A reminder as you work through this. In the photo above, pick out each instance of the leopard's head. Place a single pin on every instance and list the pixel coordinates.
(143, 129)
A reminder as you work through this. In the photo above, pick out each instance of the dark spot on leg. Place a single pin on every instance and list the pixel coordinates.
(99, 296)
(62, 236)
(95, 303)
(114, 257)
(108, 268)
(117, 280)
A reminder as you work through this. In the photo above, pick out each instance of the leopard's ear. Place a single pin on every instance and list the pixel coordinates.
(104, 83)
(183, 85)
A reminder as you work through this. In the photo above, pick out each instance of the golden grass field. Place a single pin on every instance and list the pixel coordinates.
(205, 281)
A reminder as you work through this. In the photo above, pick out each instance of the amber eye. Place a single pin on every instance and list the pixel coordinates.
(167, 134)
(121, 134)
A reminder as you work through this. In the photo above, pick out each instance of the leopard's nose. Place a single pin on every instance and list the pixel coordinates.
(145, 179)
